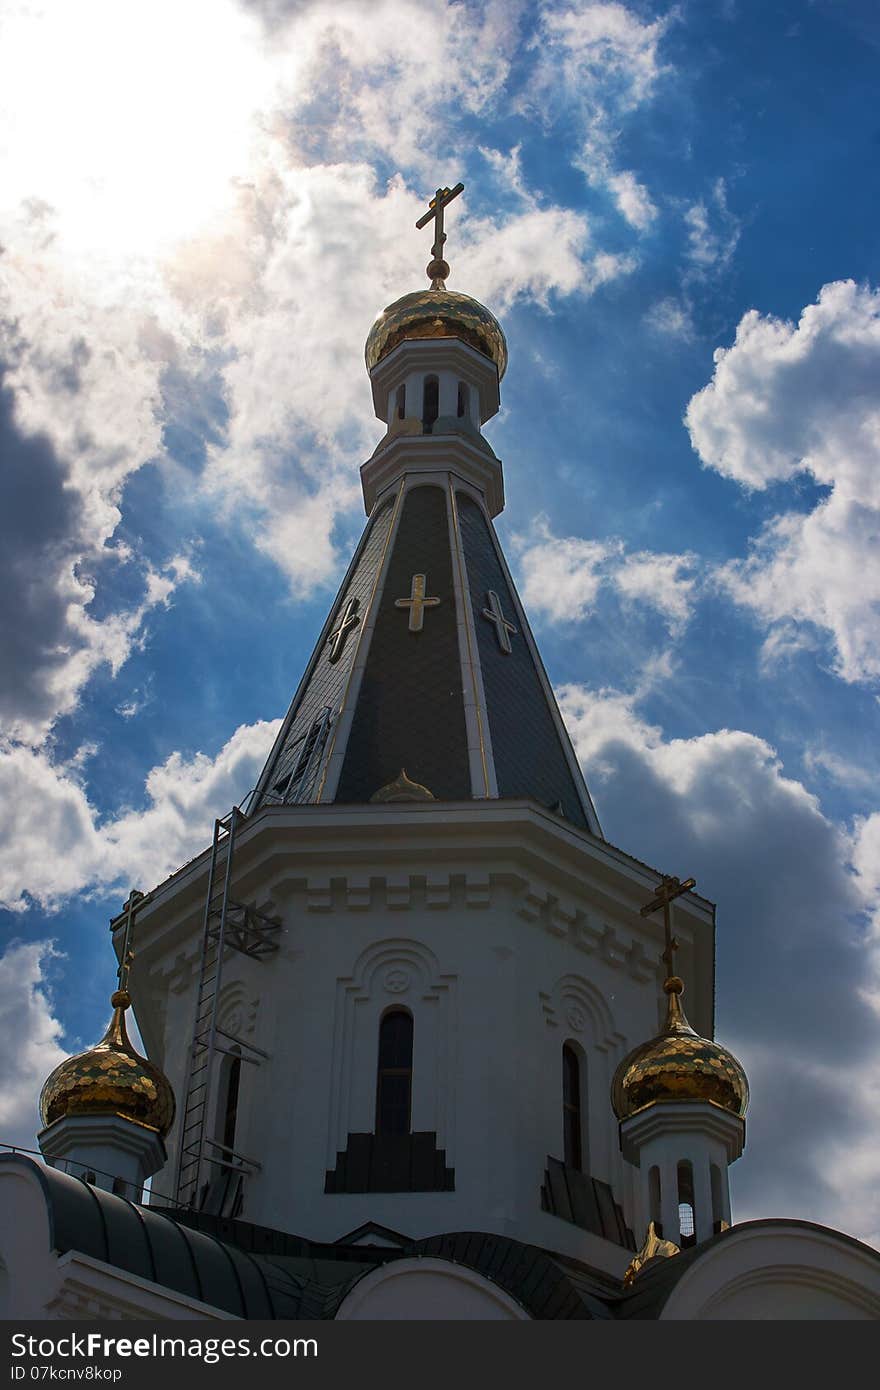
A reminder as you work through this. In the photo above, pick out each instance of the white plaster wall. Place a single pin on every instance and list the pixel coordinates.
(430, 1290)
(500, 965)
(770, 1270)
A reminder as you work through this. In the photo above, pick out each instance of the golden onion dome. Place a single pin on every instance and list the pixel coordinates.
(111, 1078)
(437, 313)
(678, 1065)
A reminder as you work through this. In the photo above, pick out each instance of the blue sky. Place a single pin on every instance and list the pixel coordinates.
(672, 209)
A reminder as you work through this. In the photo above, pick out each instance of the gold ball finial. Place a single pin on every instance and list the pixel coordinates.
(673, 985)
(437, 269)
(120, 999)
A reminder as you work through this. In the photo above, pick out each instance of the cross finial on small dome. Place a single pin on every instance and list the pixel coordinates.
(669, 889)
(437, 270)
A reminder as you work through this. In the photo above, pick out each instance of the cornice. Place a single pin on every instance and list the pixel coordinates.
(414, 454)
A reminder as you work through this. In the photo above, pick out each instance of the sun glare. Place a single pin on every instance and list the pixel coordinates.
(131, 122)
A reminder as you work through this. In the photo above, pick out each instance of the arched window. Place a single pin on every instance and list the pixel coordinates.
(229, 1112)
(654, 1199)
(686, 1204)
(394, 1080)
(571, 1108)
(430, 403)
(120, 1187)
(463, 399)
(717, 1198)
(401, 402)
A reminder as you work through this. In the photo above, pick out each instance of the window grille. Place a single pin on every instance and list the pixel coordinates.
(297, 784)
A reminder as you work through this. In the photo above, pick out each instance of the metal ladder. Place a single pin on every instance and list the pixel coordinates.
(228, 924)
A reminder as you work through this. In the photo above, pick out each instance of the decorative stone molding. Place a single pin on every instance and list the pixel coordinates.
(575, 1004)
(236, 1012)
(562, 920)
(397, 893)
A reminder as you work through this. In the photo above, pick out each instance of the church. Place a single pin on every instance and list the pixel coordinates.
(421, 1043)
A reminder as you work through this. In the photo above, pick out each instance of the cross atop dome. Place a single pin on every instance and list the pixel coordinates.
(437, 270)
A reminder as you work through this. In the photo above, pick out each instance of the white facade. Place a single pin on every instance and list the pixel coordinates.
(504, 932)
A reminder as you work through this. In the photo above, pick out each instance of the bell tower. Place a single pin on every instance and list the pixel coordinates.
(427, 664)
(395, 992)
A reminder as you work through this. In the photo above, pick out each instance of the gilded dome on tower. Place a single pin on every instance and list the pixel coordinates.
(111, 1078)
(678, 1065)
(437, 313)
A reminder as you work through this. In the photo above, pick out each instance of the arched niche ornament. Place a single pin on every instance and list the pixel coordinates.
(392, 973)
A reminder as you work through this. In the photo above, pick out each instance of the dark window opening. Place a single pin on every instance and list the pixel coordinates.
(686, 1224)
(654, 1199)
(430, 403)
(119, 1186)
(394, 1082)
(401, 402)
(571, 1108)
(463, 399)
(717, 1200)
(230, 1108)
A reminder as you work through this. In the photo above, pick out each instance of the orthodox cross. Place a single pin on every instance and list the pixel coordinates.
(438, 269)
(667, 891)
(347, 623)
(127, 954)
(503, 628)
(416, 603)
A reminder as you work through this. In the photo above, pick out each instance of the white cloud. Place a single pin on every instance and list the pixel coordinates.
(508, 170)
(246, 276)
(632, 199)
(43, 804)
(713, 231)
(866, 862)
(788, 399)
(672, 318)
(797, 978)
(29, 1038)
(80, 411)
(600, 51)
(664, 582)
(562, 576)
(864, 775)
(272, 289)
(603, 62)
(394, 79)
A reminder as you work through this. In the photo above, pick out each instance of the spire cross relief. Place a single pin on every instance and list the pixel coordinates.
(439, 268)
(416, 603)
(670, 889)
(495, 615)
(347, 623)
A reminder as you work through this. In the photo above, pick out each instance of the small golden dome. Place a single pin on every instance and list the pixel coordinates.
(403, 788)
(678, 1065)
(111, 1078)
(437, 313)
